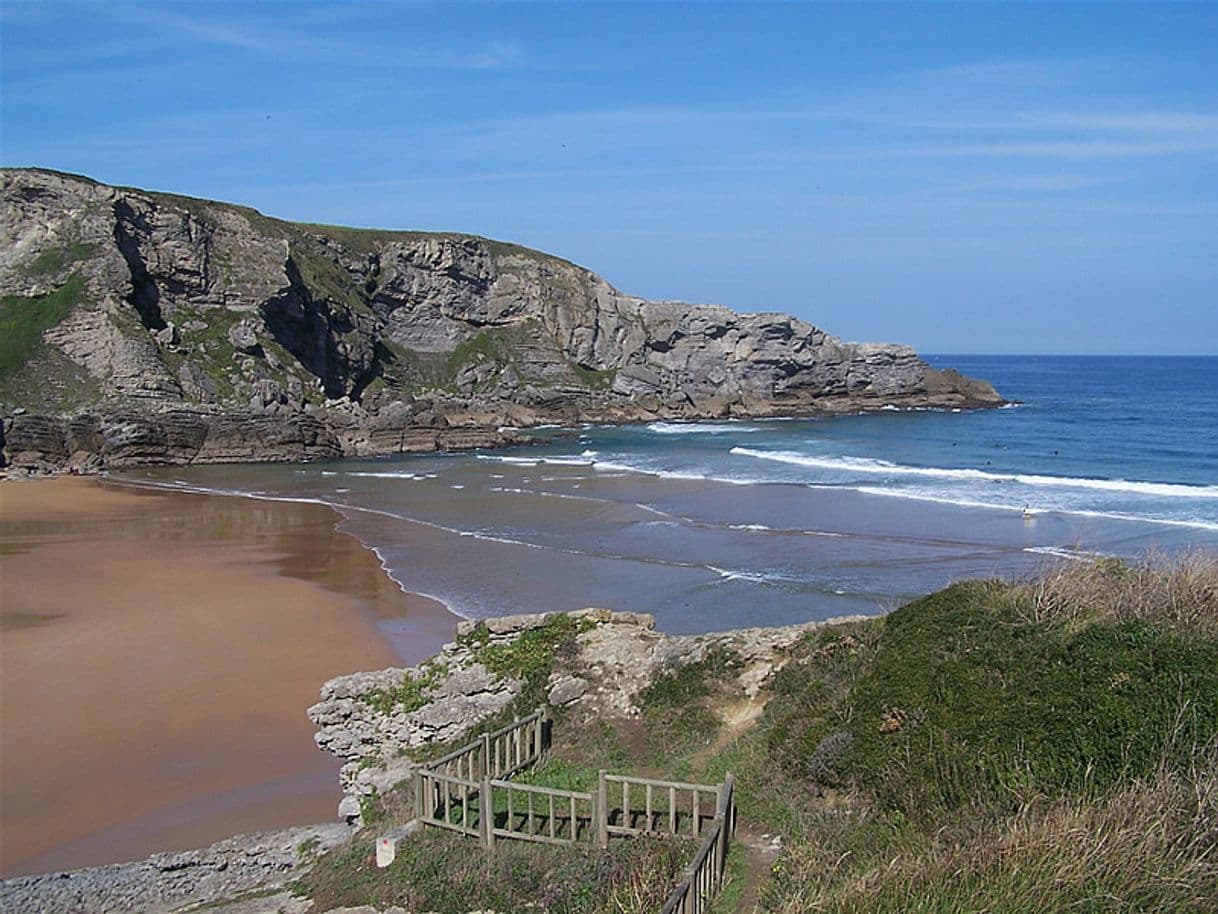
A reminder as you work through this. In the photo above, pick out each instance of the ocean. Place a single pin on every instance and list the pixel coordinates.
(717, 525)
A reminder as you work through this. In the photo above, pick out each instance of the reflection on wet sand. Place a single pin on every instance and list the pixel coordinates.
(159, 651)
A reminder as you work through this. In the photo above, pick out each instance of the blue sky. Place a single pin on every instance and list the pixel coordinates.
(986, 177)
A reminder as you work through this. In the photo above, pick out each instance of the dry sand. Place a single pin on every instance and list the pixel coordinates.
(158, 651)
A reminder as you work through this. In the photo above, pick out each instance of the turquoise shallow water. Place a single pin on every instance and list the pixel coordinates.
(719, 525)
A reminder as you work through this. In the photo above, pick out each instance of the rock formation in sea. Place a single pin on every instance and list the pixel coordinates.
(147, 328)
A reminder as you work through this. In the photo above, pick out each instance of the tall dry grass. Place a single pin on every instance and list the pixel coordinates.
(1178, 591)
(1151, 847)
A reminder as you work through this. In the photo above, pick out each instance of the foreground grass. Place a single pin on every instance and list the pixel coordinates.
(448, 874)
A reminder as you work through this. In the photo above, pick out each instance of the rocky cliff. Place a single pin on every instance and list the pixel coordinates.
(142, 327)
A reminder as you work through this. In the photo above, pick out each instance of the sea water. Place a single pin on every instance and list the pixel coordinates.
(714, 525)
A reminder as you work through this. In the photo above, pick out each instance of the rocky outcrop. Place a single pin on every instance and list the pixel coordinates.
(180, 880)
(375, 721)
(214, 333)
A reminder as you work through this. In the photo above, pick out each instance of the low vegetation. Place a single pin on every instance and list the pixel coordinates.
(54, 261)
(24, 320)
(531, 657)
(440, 871)
(1178, 592)
(1050, 745)
(974, 751)
(411, 693)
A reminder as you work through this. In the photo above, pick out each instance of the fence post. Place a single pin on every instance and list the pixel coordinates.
(727, 810)
(539, 734)
(486, 755)
(418, 795)
(724, 833)
(486, 812)
(602, 810)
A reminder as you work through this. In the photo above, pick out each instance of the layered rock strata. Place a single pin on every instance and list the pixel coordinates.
(152, 328)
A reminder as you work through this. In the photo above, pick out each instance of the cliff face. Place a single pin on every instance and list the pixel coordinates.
(143, 328)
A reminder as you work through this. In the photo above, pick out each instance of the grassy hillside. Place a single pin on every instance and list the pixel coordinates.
(1049, 746)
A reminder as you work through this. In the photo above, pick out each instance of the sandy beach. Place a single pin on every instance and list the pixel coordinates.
(158, 651)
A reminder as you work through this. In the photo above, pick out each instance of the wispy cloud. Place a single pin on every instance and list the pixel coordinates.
(1071, 150)
(282, 42)
(187, 31)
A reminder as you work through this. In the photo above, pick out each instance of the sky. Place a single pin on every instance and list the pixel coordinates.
(982, 177)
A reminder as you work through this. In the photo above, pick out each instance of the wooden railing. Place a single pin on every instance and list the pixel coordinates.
(448, 801)
(701, 879)
(451, 791)
(651, 807)
(500, 754)
(542, 814)
(467, 791)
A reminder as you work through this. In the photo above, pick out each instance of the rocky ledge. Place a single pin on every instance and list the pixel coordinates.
(146, 328)
(256, 864)
(594, 663)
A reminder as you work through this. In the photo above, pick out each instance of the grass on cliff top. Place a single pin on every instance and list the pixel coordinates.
(1013, 748)
(23, 321)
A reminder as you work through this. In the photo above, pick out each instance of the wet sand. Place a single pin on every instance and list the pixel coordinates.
(158, 652)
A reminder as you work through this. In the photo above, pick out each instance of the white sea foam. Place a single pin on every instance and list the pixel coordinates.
(1061, 552)
(922, 496)
(754, 577)
(494, 538)
(699, 428)
(616, 466)
(517, 461)
(537, 493)
(769, 578)
(385, 475)
(1194, 523)
(885, 468)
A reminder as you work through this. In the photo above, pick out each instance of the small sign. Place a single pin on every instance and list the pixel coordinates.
(386, 850)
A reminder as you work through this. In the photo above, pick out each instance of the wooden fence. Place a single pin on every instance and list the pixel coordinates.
(452, 791)
(468, 791)
(702, 877)
(540, 814)
(655, 808)
(448, 801)
(500, 754)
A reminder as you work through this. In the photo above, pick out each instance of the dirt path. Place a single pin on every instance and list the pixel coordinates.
(736, 718)
(760, 853)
